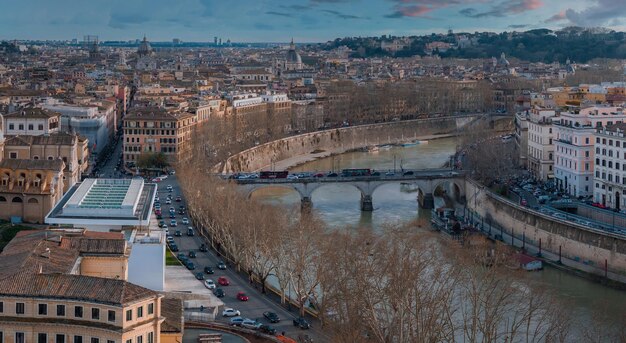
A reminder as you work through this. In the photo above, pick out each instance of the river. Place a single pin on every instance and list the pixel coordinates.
(338, 206)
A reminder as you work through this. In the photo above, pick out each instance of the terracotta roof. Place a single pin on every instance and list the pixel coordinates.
(32, 112)
(172, 310)
(73, 287)
(58, 138)
(15, 164)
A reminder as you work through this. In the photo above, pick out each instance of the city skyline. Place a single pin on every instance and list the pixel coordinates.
(305, 21)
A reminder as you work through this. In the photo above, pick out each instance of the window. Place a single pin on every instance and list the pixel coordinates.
(1, 302)
(42, 338)
(19, 308)
(95, 313)
(60, 338)
(43, 309)
(19, 337)
(78, 339)
(61, 310)
(129, 315)
(150, 337)
(11, 126)
(129, 341)
(13, 155)
(40, 127)
(111, 316)
(108, 341)
(31, 127)
(20, 126)
(150, 308)
(139, 311)
(95, 340)
(78, 311)
(139, 339)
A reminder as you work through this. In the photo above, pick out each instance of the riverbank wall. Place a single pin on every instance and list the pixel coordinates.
(569, 244)
(335, 141)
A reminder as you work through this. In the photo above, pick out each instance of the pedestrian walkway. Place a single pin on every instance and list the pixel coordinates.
(496, 232)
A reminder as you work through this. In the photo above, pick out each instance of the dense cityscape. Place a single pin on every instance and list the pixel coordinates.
(441, 187)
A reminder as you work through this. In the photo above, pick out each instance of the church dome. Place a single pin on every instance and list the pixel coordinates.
(145, 48)
(292, 56)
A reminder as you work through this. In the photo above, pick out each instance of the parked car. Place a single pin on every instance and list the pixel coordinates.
(162, 223)
(271, 316)
(221, 265)
(301, 323)
(199, 276)
(407, 173)
(208, 283)
(185, 221)
(222, 280)
(219, 292)
(236, 321)
(390, 174)
(332, 175)
(241, 296)
(267, 329)
(208, 270)
(190, 265)
(182, 257)
(250, 324)
(174, 247)
(192, 254)
(230, 312)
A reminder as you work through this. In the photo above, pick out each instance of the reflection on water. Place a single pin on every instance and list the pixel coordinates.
(338, 206)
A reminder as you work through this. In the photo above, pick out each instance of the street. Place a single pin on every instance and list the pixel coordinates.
(258, 303)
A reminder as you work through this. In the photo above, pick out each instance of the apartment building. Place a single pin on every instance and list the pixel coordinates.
(278, 114)
(610, 171)
(70, 148)
(574, 152)
(155, 130)
(521, 137)
(541, 143)
(30, 188)
(48, 292)
(31, 121)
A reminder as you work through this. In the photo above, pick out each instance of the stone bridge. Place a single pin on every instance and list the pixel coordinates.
(427, 181)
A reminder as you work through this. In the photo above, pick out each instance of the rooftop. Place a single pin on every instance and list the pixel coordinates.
(117, 201)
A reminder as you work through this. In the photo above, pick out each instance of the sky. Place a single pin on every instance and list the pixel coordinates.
(304, 20)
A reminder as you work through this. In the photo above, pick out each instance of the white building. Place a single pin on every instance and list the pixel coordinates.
(574, 146)
(30, 121)
(610, 171)
(95, 121)
(119, 205)
(540, 143)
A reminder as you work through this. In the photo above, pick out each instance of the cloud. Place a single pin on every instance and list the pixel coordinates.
(601, 13)
(279, 14)
(421, 8)
(557, 17)
(342, 15)
(504, 8)
(123, 20)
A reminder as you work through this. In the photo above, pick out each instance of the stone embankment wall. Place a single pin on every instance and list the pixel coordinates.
(578, 243)
(343, 139)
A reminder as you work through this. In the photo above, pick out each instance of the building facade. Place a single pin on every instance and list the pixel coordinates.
(541, 143)
(31, 121)
(29, 189)
(155, 130)
(574, 146)
(610, 168)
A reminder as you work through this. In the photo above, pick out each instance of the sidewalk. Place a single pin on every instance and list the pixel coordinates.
(567, 263)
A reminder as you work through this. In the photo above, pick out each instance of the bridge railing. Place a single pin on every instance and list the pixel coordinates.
(406, 175)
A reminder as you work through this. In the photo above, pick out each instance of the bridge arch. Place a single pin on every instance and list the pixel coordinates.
(255, 187)
(458, 187)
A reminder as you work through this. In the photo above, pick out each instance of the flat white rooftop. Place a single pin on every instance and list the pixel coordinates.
(105, 202)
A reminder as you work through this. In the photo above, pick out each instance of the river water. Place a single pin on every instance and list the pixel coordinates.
(339, 207)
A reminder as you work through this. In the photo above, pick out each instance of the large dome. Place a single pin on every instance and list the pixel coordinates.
(145, 48)
(292, 56)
